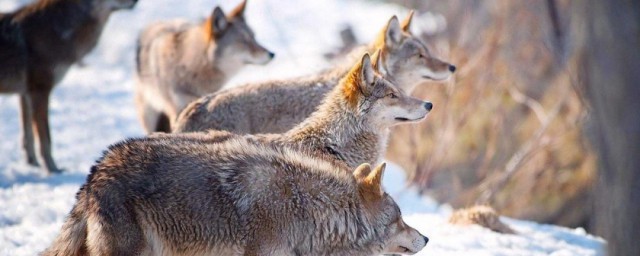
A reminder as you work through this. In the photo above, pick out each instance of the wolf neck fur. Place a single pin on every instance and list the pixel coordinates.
(352, 229)
(195, 56)
(337, 129)
(349, 229)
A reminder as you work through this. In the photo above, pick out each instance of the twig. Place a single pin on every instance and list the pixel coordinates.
(517, 159)
(534, 105)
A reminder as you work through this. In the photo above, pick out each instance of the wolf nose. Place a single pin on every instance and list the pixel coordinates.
(428, 105)
(271, 55)
(426, 239)
(452, 68)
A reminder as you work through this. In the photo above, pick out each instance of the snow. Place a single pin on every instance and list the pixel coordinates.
(93, 108)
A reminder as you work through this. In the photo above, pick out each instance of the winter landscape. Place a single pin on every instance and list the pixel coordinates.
(93, 108)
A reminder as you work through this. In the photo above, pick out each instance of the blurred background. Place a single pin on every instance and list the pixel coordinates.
(508, 130)
(541, 121)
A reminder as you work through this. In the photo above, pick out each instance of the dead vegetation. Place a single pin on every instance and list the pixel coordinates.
(507, 130)
(480, 215)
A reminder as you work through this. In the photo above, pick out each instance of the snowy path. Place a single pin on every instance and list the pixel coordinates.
(93, 107)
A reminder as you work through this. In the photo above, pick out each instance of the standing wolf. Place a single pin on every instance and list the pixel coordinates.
(38, 44)
(352, 124)
(277, 106)
(179, 62)
(184, 195)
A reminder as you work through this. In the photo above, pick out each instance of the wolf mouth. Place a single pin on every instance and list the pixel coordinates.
(405, 249)
(404, 119)
(431, 78)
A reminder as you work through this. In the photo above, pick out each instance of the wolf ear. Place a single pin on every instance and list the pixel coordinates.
(393, 32)
(377, 59)
(368, 73)
(218, 21)
(406, 23)
(373, 181)
(362, 171)
(239, 10)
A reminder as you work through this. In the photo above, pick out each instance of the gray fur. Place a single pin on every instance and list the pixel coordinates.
(354, 132)
(277, 106)
(178, 62)
(38, 44)
(222, 194)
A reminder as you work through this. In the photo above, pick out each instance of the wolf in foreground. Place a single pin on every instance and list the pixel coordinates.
(208, 194)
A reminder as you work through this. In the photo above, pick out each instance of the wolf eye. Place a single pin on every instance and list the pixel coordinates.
(393, 95)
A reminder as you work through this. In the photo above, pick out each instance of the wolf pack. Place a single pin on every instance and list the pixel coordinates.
(281, 167)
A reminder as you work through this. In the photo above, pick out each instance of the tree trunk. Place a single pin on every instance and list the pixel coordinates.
(609, 35)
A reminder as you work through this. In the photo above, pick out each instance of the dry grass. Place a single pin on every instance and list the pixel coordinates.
(507, 130)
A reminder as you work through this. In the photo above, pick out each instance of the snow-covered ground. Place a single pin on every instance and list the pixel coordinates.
(93, 107)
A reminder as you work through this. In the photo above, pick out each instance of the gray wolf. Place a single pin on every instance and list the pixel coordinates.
(352, 124)
(178, 62)
(200, 194)
(277, 106)
(39, 43)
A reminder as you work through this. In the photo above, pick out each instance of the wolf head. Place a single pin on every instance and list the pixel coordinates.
(384, 214)
(406, 60)
(378, 101)
(117, 4)
(232, 40)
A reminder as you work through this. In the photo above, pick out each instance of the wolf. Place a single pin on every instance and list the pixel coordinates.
(39, 43)
(197, 194)
(277, 106)
(352, 124)
(178, 62)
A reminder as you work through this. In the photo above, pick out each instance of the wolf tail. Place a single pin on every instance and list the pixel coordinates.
(72, 237)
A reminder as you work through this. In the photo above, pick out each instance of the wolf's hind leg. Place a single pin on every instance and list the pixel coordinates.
(151, 119)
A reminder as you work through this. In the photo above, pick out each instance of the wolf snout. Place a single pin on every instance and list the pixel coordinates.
(271, 55)
(452, 68)
(426, 239)
(428, 106)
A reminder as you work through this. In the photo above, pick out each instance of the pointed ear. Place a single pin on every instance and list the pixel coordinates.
(406, 23)
(367, 72)
(239, 10)
(374, 179)
(393, 32)
(362, 171)
(377, 60)
(218, 21)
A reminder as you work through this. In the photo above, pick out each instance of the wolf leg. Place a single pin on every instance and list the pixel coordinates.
(152, 120)
(40, 116)
(28, 148)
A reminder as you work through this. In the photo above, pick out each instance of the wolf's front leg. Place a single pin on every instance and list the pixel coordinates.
(28, 148)
(40, 117)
